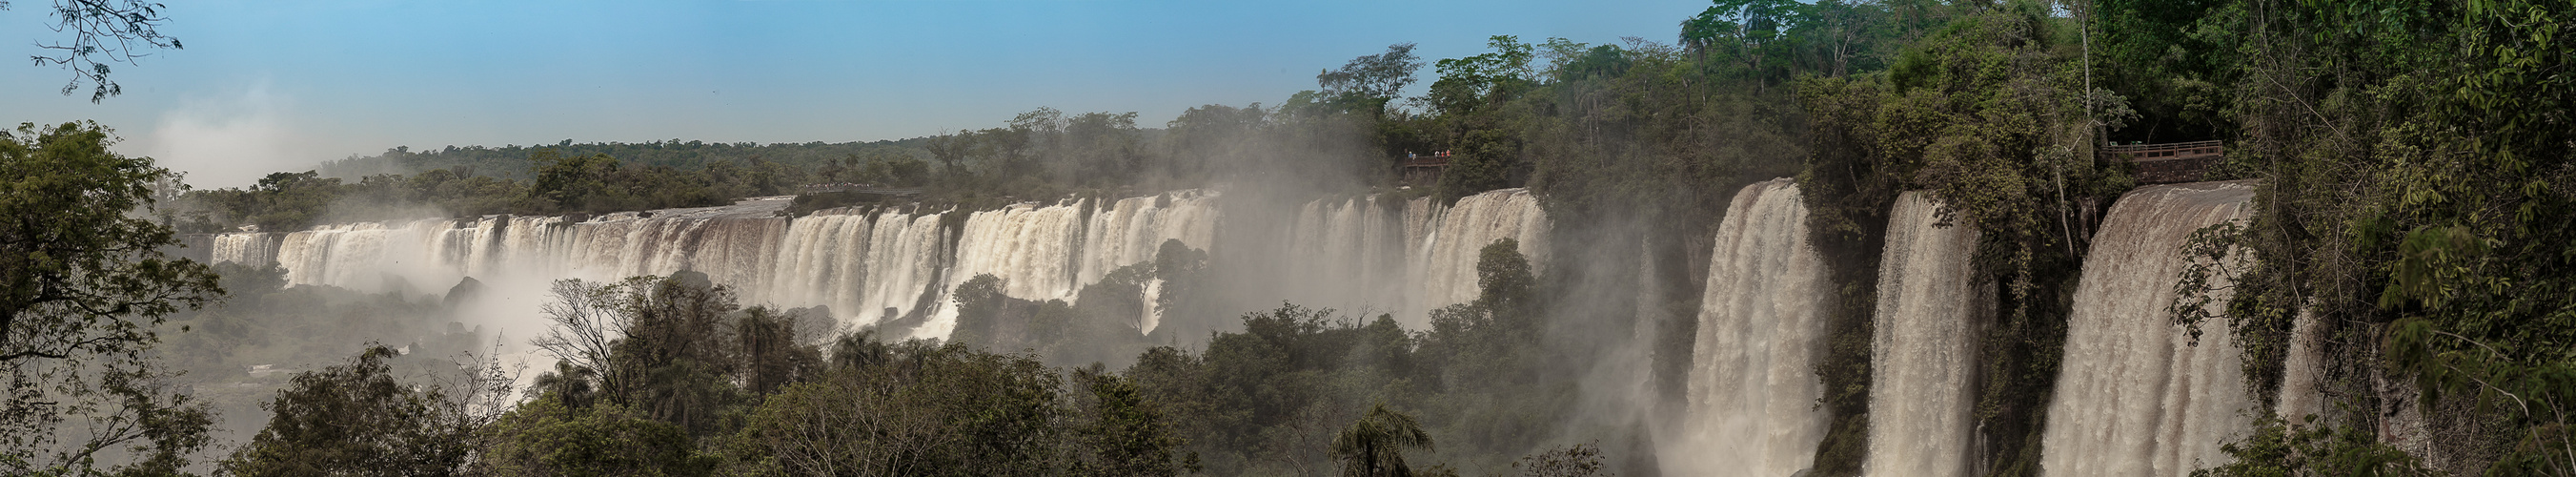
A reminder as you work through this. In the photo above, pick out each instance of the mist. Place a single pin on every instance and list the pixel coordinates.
(234, 138)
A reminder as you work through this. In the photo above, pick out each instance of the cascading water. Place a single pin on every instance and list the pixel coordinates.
(1753, 387)
(1134, 229)
(867, 266)
(2134, 396)
(246, 248)
(1456, 236)
(2301, 392)
(1923, 348)
(361, 256)
(1349, 253)
(1049, 252)
(1030, 247)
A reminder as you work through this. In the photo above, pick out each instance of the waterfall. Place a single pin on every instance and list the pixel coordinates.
(1349, 254)
(246, 248)
(1923, 350)
(739, 245)
(2134, 397)
(1133, 229)
(1153, 312)
(902, 264)
(1031, 248)
(867, 265)
(1753, 388)
(361, 256)
(1455, 237)
(1047, 252)
(2302, 376)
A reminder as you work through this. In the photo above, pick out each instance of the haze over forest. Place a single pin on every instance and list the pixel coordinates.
(1722, 238)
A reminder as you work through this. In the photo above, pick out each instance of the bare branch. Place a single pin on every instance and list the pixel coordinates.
(103, 32)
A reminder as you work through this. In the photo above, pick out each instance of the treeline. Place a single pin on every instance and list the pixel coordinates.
(561, 183)
(511, 161)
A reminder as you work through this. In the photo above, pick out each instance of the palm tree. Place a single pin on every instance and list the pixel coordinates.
(1374, 446)
(569, 382)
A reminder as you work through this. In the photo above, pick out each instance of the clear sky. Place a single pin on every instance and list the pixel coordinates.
(266, 86)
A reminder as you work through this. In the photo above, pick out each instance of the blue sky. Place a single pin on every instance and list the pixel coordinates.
(278, 85)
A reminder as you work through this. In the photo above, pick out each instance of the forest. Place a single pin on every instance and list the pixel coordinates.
(2415, 192)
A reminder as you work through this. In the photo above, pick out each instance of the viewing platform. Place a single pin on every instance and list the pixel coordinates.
(1424, 169)
(2170, 163)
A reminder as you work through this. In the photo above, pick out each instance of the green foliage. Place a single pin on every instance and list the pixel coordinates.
(772, 355)
(568, 385)
(988, 319)
(356, 419)
(559, 182)
(675, 350)
(511, 162)
(546, 436)
(1272, 397)
(570, 182)
(2176, 59)
(1992, 115)
(282, 201)
(929, 410)
(1367, 83)
(287, 202)
(1127, 434)
(83, 285)
(1505, 286)
(676, 361)
(1749, 31)
(1474, 82)
(1579, 460)
(2414, 194)
(1374, 445)
(2278, 448)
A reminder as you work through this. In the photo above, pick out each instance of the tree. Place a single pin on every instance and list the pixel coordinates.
(1374, 446)
(1743, 28)
(550, 438)
(1369, 81)
(929, 410)
(1503, 279)
(587, 324)
(1489, 79)
(83, 283)
(284, 201)
(676, 362)
(950, 150)
(572, 182)
(771, 356)
(110, 29)
(1127, 435)
(1579, 460)
(356, 419)
(568, 383)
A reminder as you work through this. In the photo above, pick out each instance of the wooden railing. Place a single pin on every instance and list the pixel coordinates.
(2169, 151)
(2170, 162)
